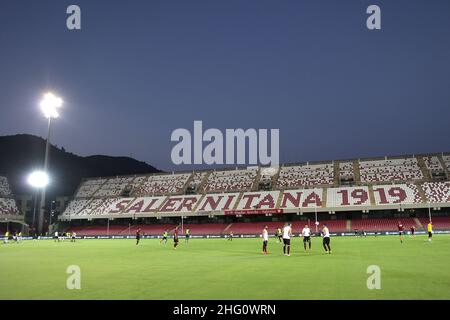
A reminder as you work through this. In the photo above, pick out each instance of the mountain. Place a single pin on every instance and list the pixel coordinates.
(23, 153)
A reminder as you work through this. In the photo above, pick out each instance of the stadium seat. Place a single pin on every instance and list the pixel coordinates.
(437, 191)
(8, 205)
(159, 184)
(381, 224)
(439, 223)
(230, 180)
(390, 170)
(5, 190)
(305, 176)
(432, 163)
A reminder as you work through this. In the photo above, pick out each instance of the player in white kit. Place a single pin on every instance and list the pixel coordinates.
(265, 236)
(306, 233)
(326, 239)
(287, 233)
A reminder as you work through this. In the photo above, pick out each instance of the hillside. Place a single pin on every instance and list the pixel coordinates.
(23, 153)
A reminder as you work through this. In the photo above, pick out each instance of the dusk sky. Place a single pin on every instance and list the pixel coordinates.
(137, 70)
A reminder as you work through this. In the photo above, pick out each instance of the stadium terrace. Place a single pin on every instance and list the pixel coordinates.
(397, 183)
(347, 193)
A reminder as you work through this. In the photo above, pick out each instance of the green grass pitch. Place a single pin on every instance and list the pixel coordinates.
(220, 269)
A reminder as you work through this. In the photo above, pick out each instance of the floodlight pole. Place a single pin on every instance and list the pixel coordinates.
(42, 203)
(429, 211)
(315, 212)
(34, 211)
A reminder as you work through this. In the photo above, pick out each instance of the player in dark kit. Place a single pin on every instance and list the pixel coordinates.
(175, 238)
(401, 230)
(413, 230)
(138, 236)
(279, 235)
(188, 235)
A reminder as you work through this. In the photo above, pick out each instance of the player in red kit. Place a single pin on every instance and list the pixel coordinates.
(175, 238)
(400, 231)
(138, 236)
(413, 230)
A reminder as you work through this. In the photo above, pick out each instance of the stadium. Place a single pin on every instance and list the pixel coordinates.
(361, 194)
(244, 152)
(358, 200)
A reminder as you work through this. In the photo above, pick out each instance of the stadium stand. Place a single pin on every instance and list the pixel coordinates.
(90, 207)
(88, 188)
(75, 206)
(348, 196)
(210, 228)
(432, 163)
(390, 170)
(447, 161)
(346, 170)
(150, 229)
(267, 175)
(396, 194)
(400, 186)
(439, 223)
(305, 175)
(437, 191)
(5, 190)
(113, 187)
(8, 205)
(207, 228)
(124, 230)
(297, 226)
(230, 180)
(160, 184)
(382, 224)
(197, 180)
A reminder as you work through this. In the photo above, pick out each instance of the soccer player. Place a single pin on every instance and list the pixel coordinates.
(164, 237)
(6, 239)
(74, 237)
(265, 236)
(279, 235)
(188, 235)
(401, 229)
(306, 233)
(287, 233)
(326, 239)
(230, 236)
(56, 237)
(413, 230)
(175, 238)
(138, 236)
(430, 230)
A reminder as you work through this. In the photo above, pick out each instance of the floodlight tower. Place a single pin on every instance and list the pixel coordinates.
(37, 180)
(49, 106)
